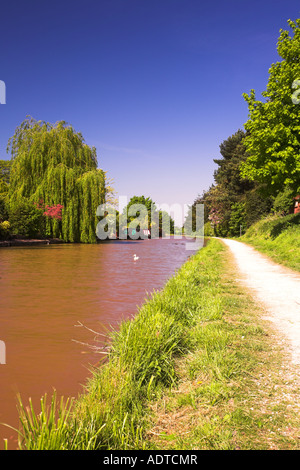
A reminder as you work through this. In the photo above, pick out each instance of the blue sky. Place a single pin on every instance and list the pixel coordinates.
(156, 86)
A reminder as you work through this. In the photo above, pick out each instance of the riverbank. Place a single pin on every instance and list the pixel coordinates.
(29, 242)
(197, 368)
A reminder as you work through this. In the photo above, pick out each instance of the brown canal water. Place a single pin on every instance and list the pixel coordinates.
(45, 291)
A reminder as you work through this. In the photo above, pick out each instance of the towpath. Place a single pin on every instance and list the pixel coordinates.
(277, 288)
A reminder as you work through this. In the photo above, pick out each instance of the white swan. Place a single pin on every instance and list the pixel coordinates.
(135, 257)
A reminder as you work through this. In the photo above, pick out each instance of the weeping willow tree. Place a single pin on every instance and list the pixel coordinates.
(52, 165)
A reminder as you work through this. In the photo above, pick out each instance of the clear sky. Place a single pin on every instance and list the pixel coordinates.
(155, 85)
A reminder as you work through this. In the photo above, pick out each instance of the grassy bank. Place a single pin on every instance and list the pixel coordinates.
(277, 237)
(195, 369)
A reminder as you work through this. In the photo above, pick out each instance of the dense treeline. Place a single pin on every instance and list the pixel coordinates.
(233, 203)
(54, 185)
(259, 171)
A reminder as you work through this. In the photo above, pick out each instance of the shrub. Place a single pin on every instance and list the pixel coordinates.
(26, 219)
(4, 230)
(209, 230)
(283, 202)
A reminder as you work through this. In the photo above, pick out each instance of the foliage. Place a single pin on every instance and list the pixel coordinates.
(283, 202)
(233, 200)
(166, 223)
(4, 230)
(130, 214)
(261, 165)
(209, 230)
(5, 168)
(51, 162)
(162, 221)
(278, 237)
(228, 172)
(54, 212)
(272, 140)
(237, 218)
(257, 205)
(26, 220)
(3, 208)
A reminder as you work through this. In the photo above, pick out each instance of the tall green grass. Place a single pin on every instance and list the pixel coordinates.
(234, 379)
(277, 237)
(110, 414)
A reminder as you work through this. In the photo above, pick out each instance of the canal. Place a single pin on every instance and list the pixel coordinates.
(47, 292)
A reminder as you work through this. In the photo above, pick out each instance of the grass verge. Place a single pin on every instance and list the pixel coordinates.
(278, 237)
(195, 369)
(236, 388)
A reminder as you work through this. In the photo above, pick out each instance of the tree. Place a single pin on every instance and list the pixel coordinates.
(257, 204)
(149, 206)
(146, 215)
(220, 202)
(233, 200)
(228, 173)
(166, 223)
(273, 128)
(237, 218)
(5, 166)
(51, 162)
(227, 198)
(229, 187)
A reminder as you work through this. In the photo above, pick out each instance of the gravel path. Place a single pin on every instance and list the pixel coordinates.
(276, 287)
